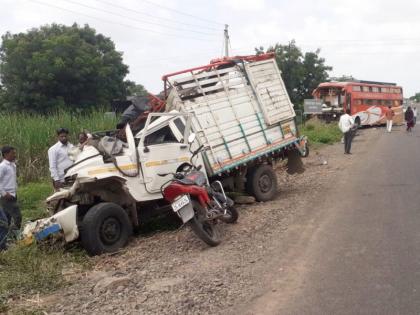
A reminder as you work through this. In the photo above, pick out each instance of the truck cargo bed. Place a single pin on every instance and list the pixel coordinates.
(241, 110)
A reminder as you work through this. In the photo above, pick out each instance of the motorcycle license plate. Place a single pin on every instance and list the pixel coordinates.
(183, 207)
(180, 203)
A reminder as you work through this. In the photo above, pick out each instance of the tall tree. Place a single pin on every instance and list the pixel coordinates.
(60, 66)
(343, 78)
(301, 72)
(134, 89)
(416, 97)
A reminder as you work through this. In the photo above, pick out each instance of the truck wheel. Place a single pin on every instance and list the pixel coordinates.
(262, 182)
(105, 228)
(207, 231)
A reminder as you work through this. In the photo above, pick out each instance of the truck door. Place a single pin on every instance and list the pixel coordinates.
(163, 148)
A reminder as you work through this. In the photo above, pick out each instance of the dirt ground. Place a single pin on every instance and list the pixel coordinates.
(173, 272)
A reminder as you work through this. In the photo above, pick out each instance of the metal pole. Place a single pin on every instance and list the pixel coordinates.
(226, 41)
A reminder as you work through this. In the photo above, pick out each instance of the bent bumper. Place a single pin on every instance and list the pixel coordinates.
(63, 222)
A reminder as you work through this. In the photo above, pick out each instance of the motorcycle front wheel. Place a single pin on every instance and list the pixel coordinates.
(207, 231)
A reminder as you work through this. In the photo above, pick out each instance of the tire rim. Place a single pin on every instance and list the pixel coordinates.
(110, 231)
(265, 183)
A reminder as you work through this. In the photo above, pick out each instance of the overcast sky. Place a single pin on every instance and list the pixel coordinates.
(371, 40)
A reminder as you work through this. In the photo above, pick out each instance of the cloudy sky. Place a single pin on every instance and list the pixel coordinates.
(371, 40)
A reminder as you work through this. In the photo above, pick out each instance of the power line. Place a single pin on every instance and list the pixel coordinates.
(154, 16)
(182, 13)
(137, 20)
(118, 23)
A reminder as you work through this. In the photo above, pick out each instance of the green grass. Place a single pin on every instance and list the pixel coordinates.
(32, 135)
(321, 133)
(32, 199)
(27, 270)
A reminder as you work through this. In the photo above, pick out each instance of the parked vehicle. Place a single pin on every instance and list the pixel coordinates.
(367, 100)
(244, 121)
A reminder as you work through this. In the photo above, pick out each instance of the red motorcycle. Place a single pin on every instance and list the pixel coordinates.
(197, 203)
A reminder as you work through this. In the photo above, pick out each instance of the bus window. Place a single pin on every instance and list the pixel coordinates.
(358, 102)
(365, 89)
(369, 102)
(385, 90)
(388, 102)
(375, 89)
(356, 88)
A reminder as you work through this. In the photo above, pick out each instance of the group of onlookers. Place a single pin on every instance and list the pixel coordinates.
(59, 161)
(348, 127)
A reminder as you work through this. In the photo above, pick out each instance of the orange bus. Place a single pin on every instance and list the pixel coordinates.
(367, 100)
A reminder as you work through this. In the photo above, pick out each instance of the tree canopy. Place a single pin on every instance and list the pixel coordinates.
(57, 66)
(343, 78)
(416, 97)
(134, 89)
(301, 72)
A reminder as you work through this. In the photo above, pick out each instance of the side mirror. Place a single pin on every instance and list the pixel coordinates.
(191, 138)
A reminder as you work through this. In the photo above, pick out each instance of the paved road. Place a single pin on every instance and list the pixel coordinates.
(362, 254)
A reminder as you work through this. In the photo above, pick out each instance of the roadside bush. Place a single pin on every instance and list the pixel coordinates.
(321, 133)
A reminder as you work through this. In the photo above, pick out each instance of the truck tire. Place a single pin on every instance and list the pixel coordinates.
(262, 182)
(105, 229)
(208, 232)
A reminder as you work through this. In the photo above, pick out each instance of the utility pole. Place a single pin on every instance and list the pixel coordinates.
(226, 41)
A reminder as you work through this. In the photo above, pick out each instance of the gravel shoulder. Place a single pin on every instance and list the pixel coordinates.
(173, 272)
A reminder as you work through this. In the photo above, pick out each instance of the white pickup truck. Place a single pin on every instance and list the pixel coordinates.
(240, 112)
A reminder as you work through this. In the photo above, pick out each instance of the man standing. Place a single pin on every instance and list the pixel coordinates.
(58, 156)
(8, 186)
(415, 115)
(409, 118)
(82, 139)
(389, 116)
(346, 124)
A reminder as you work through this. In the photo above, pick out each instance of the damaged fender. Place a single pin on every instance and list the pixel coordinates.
(63, 221)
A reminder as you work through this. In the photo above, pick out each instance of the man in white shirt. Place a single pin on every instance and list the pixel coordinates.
(58, 156)
(346, 124)
(8, 186)
(415, 115)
